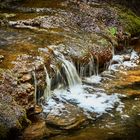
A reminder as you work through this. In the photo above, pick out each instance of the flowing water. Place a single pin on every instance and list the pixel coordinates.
(123, 122)
(47, 91)
(112, 95)
(35, 85)
(70, 71)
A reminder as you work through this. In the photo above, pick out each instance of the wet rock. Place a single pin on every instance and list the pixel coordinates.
(137, 46)
(36, 131)
(69, 118)
(34, 110)
(98, 27)
(12, 116)
(127, 84)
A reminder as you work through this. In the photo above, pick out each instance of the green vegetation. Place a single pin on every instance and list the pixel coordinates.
(112, 30)
(129, 20)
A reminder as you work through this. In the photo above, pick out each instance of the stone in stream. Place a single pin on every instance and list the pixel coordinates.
(36, 131)
(127, 57)
(69, 118)
(56, 122)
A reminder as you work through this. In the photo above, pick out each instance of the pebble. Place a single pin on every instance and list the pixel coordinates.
(1, 58)
(26, 77)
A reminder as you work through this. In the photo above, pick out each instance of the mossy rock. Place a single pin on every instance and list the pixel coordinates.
(129, 20)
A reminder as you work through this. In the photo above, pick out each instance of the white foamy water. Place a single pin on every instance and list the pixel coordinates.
(47, 91)
(98, 102)
(86, 97)
(118, 58)
(95, 79)
(134, 55)
(122, 64)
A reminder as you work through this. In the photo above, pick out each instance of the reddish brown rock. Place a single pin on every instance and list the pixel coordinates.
(36, 131)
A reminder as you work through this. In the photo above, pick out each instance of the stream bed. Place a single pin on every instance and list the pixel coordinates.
(70, 63)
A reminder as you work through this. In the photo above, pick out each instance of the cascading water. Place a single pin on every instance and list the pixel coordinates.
(120, 62)
(93, 71)
(97, 66)
(90, 69)
(47, 91)
(77, 93)
(70, 71)
(35, 85)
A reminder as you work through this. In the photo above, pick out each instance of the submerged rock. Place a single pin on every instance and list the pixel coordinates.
(36, 131)
(127, 84)
(69, 118)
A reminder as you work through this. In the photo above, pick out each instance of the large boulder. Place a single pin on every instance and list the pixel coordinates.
(12, 116)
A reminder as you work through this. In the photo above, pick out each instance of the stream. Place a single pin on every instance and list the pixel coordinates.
(83, 94)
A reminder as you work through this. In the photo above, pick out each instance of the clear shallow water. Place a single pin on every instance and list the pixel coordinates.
(123, 124)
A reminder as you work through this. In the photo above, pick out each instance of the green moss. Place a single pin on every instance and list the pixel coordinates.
(129, 20)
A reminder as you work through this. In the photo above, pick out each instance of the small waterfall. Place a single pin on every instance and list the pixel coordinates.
(47, 91)
(92, 68)
(113, 50)
(60, 79)
(70, 71)
(97, 66)
(35, 85)
(108, 67)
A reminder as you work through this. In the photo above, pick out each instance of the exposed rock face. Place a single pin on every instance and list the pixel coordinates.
(129, 85)
(70, 118)
(100, 28)
(12, 116)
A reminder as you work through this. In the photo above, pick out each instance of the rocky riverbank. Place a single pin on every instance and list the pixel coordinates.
(34, 35)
